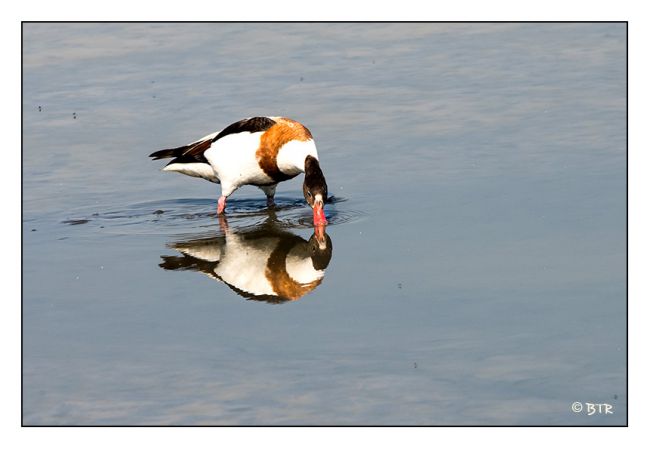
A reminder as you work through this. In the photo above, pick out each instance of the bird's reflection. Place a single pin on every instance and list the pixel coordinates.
(265, 263)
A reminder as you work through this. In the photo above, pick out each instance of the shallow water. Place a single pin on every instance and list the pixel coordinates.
(475, 264)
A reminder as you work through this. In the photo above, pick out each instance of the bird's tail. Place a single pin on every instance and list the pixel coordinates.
(170, 152)
(189, 160)
(187, 153)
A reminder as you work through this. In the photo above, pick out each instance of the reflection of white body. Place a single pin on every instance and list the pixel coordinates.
(276, 265)
(244, 264)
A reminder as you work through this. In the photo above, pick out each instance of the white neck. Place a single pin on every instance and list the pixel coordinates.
(291, 157)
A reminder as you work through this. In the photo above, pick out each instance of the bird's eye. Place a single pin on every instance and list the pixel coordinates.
(308, 193)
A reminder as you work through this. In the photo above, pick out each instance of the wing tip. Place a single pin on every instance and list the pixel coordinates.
(161, 154)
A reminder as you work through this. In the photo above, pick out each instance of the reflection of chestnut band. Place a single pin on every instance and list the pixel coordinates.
(283, 285)
(276, 272)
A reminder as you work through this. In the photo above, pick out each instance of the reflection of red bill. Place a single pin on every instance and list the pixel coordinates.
(319, 216)
(319, 230)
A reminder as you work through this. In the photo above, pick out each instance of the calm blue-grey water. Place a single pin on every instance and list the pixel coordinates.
(476, 271)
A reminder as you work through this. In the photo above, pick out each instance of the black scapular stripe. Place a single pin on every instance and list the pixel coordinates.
(251, 125)
(186, 154)
(170, 152)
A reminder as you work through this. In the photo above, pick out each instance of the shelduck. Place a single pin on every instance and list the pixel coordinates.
(259, 151)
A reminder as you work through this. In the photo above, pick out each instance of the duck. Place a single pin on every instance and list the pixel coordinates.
(258, 151)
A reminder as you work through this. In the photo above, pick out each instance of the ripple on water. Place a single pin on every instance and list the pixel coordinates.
(186, 215)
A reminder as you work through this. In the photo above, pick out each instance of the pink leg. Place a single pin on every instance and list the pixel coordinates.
(270, 202)
(221, 205)
(223, 223)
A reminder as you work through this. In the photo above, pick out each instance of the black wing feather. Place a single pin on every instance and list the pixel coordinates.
(251, 125)
(194, 152)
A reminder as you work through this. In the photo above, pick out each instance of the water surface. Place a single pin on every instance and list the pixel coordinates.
(477, 240)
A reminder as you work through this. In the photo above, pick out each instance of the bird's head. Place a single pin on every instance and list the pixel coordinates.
(315, 189)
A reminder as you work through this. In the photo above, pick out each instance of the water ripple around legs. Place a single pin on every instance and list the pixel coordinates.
(187, 215)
